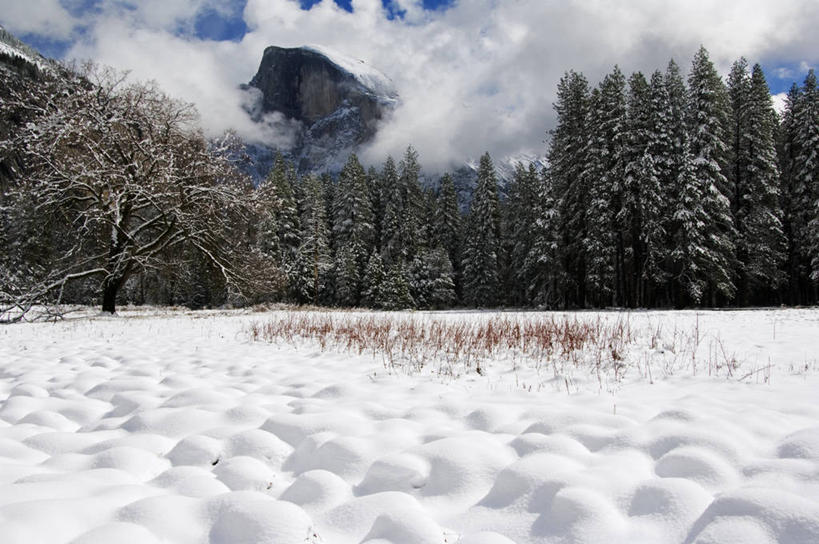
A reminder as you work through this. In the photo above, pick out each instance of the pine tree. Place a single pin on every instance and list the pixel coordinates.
(651, 235)
(707, 120)
(481, 242)
(448, 226)
(640, 188)
(282, 180)
(267, 229)
(395, 290)
(519, 218)
(679, 161)
(542, 264)
(761, 241)
(660, 196)
(806, 168)
(690, 254)
(739, 90)
(678, 110)
(348, 277)
(375, 183)
(353, 230)
(605, 242)
(315, 255)
(374, 278)
(429, 212)
(392, 203)
(567, 157)
(412, 226)
(432, 284)
(795, 202)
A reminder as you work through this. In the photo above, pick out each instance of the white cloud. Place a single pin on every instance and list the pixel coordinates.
(43, 17)
(478, 76)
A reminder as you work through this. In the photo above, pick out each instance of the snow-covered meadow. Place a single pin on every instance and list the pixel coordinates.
(181, 428)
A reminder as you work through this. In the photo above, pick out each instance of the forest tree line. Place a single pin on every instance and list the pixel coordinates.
(659, 192)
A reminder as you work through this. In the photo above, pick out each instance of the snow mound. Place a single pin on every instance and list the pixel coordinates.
(196, 450)
(803, 444)
(117, 532)
(250, 520)
(317, 489)
(404, 529)
(245, 473)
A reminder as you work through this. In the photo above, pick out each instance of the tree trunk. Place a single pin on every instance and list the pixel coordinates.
(110, 288)
(109, 296)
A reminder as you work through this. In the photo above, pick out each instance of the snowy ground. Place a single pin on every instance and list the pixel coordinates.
(177, 428)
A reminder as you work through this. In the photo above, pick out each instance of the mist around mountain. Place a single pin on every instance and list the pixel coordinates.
(329, 106)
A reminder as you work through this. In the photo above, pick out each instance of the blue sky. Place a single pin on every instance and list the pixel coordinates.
(473, 75)
(216, 26)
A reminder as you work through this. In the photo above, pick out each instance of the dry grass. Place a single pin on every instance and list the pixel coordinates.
(456, 346)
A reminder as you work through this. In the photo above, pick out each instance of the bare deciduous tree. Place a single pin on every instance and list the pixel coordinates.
(119, 173)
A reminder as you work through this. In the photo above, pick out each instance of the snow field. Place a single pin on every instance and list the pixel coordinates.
(178, 428)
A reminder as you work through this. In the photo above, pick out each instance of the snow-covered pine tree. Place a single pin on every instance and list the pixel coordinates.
(739, 89)
(520, 211)
(603, 175)
(442, 289)
(315, 255)
(348, 276)
(392, 204)
(650, 276)
(448, 226)
(480, 263)
(707, 118)
(267, 229)
(690, 255)
(288, 231)
(507, 275)
(412, 230)
(431, 272)
(760, 241)
(640, 189)
(658, 203)
(429, 211)
(567, 152)
(542, 264)
(680, 157)
(432, 284)
(793, 215)
(797, 195)
(353, 231)
(374, 278)
(395, 292)
(375, 182)
(807, 166)
(678, 109)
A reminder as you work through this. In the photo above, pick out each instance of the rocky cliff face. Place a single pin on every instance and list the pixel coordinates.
(336, 101)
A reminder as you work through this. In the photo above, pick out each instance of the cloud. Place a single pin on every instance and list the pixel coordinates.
(478, 76)
(41, 17)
